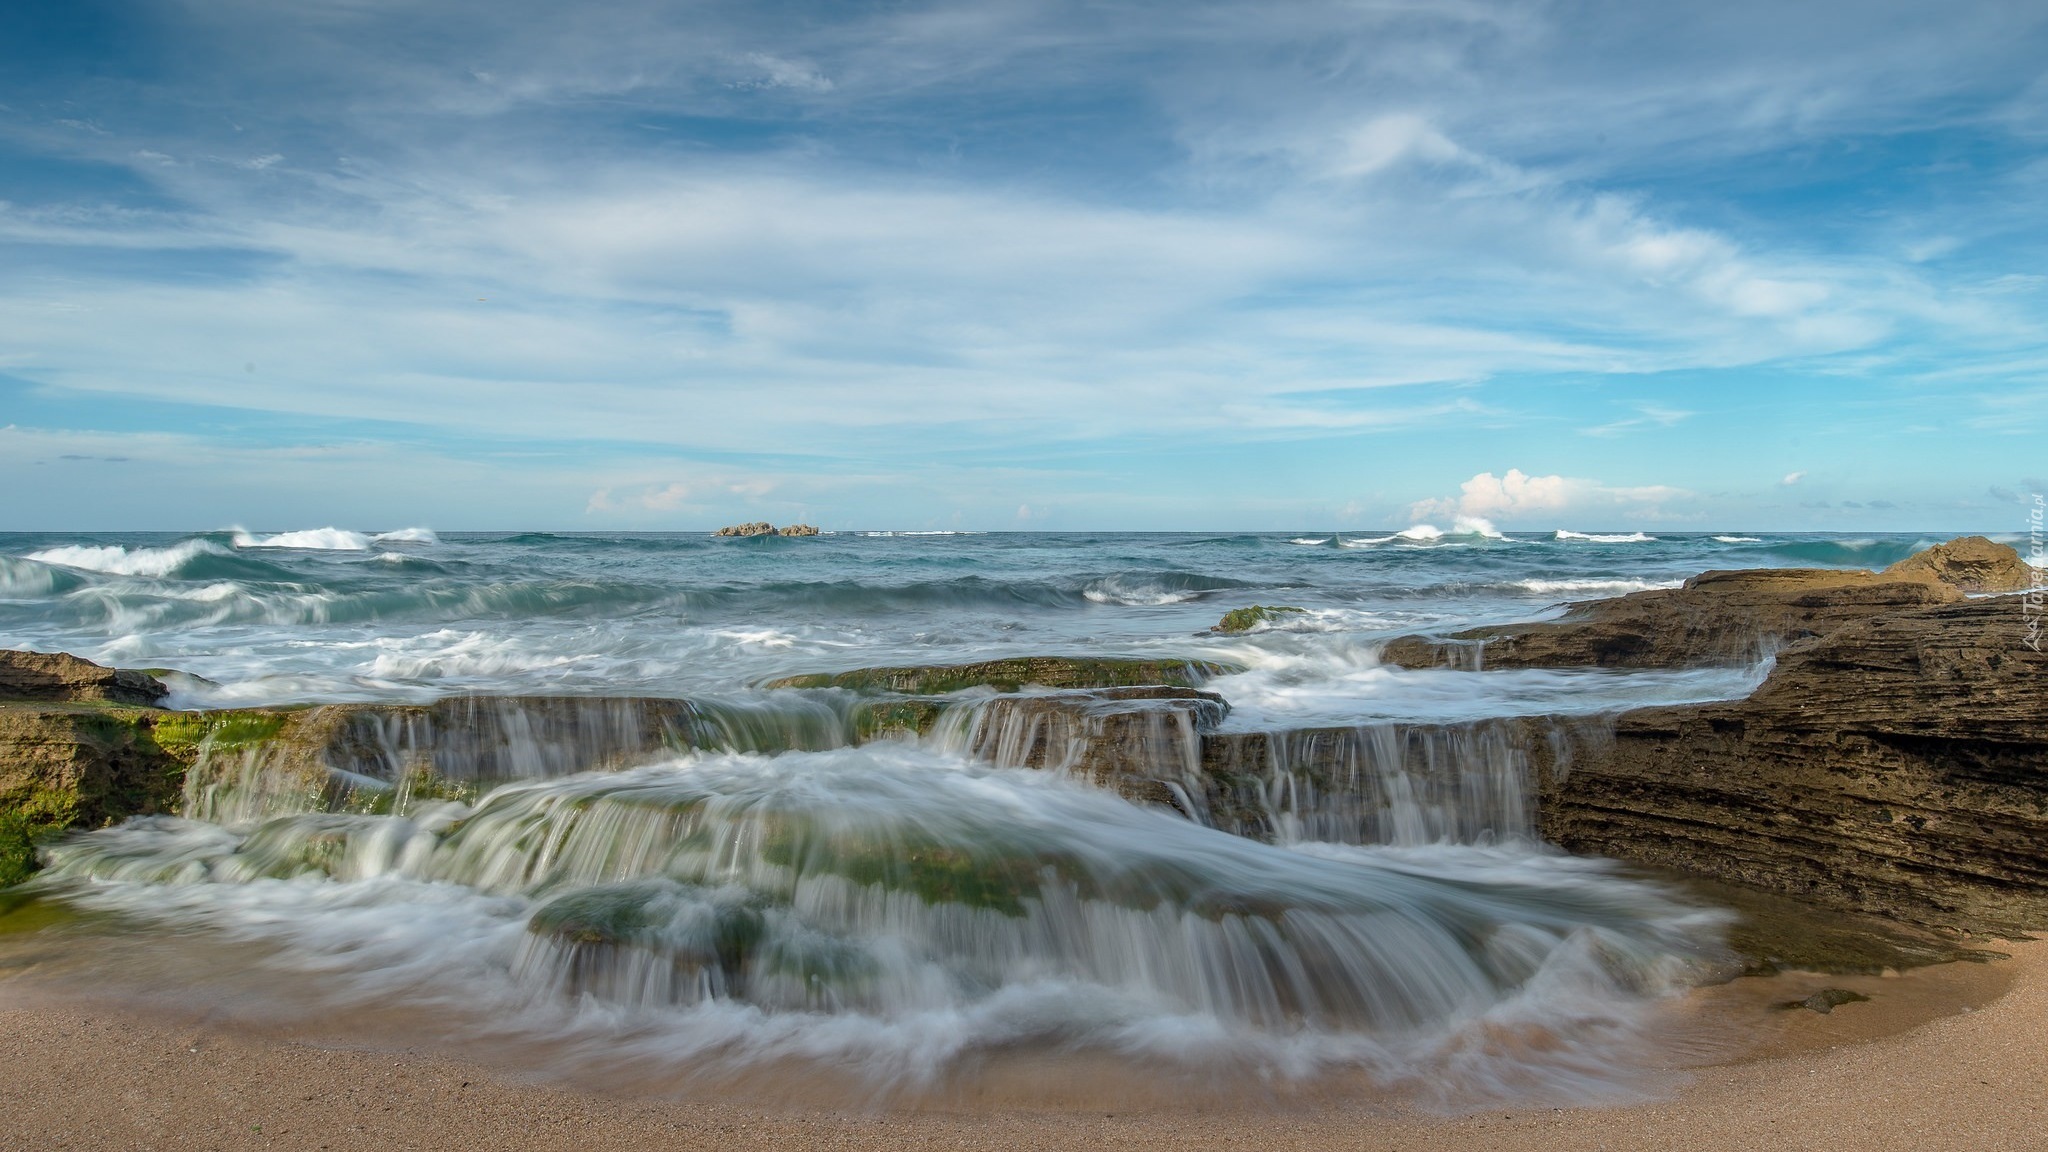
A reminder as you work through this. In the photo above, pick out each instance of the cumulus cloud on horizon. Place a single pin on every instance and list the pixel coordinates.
(1518, 497)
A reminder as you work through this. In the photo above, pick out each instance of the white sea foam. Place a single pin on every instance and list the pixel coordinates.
(1740, 539)
(1476, 526)
(1463, 526)
(758, 637)
(1606, 538)
(407, 536)
(309, 539)
(119, 561)
(1310, 540)
(1136, 592)
(1420, 534)
(1604, 587)
(930, 532)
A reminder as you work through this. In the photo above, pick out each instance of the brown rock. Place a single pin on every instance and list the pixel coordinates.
(1723, 617)
(59, 676)
(84, 764)
(756, 528)
(1899, 766)
(1716, 618)
(798, 530)
(1968, 563)
(1013, 674)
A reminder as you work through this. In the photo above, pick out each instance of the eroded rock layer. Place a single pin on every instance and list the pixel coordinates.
(1898, 766)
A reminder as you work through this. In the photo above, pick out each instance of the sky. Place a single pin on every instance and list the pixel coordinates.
(1008, 265)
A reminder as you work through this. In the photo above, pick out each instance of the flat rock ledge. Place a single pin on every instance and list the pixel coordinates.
(1016, 674)
(1732, 617)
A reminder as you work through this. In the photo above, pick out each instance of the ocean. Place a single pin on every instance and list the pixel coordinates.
(889, 918)
(330, 615)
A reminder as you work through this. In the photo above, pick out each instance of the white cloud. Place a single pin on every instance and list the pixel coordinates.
(1517, 496)
(1791, 478)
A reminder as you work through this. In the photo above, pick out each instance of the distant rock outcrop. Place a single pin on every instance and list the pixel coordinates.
(764, 528)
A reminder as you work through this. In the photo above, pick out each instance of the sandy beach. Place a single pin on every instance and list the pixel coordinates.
(1949, 1057)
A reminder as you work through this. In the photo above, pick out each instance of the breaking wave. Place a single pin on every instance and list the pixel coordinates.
(1606, 538)
(310, 539)
(121, 561)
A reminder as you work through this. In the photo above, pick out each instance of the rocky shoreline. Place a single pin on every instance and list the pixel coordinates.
(1890, 766)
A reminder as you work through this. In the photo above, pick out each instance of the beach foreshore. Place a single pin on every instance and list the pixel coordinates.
(1968, 1070)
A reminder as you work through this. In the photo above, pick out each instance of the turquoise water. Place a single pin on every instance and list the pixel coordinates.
(330, 614)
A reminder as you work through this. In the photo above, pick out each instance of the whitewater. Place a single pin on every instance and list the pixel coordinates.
(671, 873)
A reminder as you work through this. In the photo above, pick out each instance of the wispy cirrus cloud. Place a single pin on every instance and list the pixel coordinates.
(867, 234)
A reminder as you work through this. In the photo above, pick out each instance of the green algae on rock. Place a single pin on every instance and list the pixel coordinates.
(1239, 620)
(1014, 675)
(17, 850)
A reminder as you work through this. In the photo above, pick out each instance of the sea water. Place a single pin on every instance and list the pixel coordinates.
(903, 916)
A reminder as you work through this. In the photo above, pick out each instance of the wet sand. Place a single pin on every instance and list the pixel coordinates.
(1950, 1057)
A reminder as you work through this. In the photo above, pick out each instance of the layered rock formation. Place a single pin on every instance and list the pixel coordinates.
(1723, 617)
(1013, 675)
(1897, 766)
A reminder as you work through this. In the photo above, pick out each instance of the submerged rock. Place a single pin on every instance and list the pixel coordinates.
(1245, 619)
(1014, 674)
(1826, 1000)
(1969, 563)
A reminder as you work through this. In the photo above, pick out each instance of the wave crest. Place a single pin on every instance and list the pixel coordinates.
(1606, 537)
(309, 539)
(119, 561)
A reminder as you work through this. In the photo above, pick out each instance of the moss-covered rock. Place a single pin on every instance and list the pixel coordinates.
(17, 851)
(89, 764)
(1239, 620)
(1014, 674)
(884, 719)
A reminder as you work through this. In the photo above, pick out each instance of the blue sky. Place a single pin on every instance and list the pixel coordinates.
(1023, 265)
